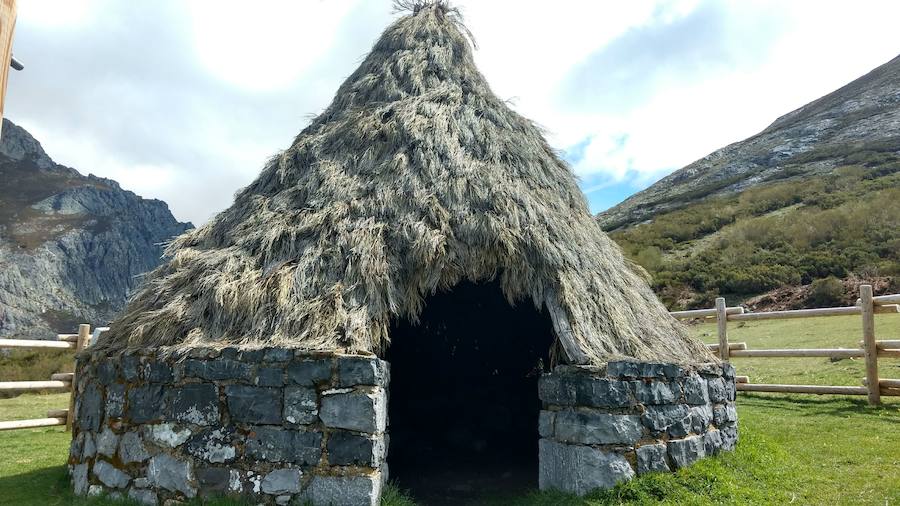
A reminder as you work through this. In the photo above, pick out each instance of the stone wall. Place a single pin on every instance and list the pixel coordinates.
(270, 424)
(601, 426)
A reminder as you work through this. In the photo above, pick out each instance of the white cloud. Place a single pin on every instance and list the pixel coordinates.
(184, 101)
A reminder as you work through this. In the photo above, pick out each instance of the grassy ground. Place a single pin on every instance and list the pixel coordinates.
(793, 449)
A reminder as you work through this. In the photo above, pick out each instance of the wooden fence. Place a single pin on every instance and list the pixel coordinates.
(60, 382)
(871, 349)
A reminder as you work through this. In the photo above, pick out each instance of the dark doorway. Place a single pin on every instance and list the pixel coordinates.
(463, 401)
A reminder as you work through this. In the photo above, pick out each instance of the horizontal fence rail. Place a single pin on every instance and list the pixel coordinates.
(58, 382)
(869, 349)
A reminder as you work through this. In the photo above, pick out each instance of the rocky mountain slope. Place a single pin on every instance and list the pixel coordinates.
(814, 139)
(71, 246)
(813, 198)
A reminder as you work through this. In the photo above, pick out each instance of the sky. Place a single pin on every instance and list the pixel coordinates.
(184, 100)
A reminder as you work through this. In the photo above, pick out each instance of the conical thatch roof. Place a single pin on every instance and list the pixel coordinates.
(414, 178)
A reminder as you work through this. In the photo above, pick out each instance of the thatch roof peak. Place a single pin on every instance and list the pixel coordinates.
(414, 178)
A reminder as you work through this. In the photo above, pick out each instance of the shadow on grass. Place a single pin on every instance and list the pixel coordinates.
(819, 405)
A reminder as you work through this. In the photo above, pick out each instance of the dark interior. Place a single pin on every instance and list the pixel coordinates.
(463, 401)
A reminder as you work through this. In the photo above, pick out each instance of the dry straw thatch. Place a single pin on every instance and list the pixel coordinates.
(414, 178)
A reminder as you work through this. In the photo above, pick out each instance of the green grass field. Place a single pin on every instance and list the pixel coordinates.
(794, 449)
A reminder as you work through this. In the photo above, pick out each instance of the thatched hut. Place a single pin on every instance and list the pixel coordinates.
(418, 221)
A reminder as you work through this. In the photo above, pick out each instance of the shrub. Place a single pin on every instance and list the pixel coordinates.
(825, 292)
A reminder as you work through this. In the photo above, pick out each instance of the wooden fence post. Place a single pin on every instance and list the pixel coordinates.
(722, 323)
(869, 344)
(84, 337)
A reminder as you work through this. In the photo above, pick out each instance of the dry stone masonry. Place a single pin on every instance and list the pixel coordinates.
(603, 425)
(279, 427)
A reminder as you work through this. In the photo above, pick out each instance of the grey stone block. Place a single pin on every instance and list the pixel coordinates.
(701, 417)
(109, 475)
(90, 409)
(710, 369)
(360, 371)
(214, 445)
(730, 390)
(157, 372)
(90, 446)
(270, 377)
(280, 445)
(660, 418)
(196, 403)
(712, 442)
(695, 390)
(145, 404)
(579, 469)
(300, 405)
(360, 411)
(251, 356)
(652, 458)
(716, 388)
(171, 474)
(76, 448)
(347, 449)
(107, 442)
(281, 481)
(600, 392)
(685, 452)
(80, 479)
(344, 490)
(727, 370)
(166, 435)
(218, 370)
(107, 372)
(278, 355)
(306, 448)
(141, 482)
(588, 427)
(143, 496)
(724, 414)
(627, 369)
(254, 404)
(131, 448)
(213, 480)
(309, 372)
(130, 367)
(545, 423)
(656, 392)
(115, 400)
(270, 444)
(729, 437)
(553, 389)
(283, 500)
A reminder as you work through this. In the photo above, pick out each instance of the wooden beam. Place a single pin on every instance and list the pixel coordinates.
(35, 343)
(882, 300)
(890, 392)
(705, 313)
(798, 352)
(868, 330)
(30, 424)
(63, 376)
(84, 339)
(799, 313)
(802, 389)
(731, 346)
(742, 379)
(58, 413)
(884, 344)
(69, 338)
(722, 327)
(34, 385)
(889, 353)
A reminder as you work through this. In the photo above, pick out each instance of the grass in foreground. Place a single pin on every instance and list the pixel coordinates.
(793, 449)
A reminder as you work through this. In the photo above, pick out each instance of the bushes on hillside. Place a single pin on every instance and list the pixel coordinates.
(825, 292)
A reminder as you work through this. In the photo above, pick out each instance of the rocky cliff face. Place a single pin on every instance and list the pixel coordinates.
(71, 246)
(863, 116)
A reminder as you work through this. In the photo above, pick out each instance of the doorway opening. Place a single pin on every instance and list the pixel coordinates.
(463, 401)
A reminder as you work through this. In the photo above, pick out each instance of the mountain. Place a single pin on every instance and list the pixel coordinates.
(72, 247)
(814, 139)
(813, 195)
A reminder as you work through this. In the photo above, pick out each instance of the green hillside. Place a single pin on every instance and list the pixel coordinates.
(788, 231)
